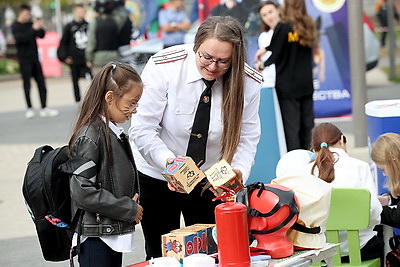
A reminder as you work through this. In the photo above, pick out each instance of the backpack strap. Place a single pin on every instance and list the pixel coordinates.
(394, 242)
(77, 220)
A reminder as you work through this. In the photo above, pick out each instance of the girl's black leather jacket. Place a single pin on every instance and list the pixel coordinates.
(106, 195)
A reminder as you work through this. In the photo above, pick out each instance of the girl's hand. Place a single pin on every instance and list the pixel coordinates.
(139, 213)
(384, 199)
(259, 65)
(260, 52)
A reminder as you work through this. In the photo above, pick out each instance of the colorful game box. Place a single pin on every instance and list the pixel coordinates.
(180, 244)
(184, 174)
(222, 174)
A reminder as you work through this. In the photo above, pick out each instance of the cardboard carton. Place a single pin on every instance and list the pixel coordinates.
(205, 242)
(179, 244)
(184, 174)
(222, 174)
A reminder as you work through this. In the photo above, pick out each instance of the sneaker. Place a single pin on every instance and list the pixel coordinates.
(29, 113)
(48, 112)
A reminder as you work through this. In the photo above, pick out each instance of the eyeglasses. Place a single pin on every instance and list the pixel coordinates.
(207, 60)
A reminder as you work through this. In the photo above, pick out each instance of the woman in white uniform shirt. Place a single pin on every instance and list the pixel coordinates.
(333, 165)
(162, 128)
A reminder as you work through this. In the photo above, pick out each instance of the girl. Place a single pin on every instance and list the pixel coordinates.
(270, 16)
(333, 165)
(386, 155)
(109, 196)
(291, 48)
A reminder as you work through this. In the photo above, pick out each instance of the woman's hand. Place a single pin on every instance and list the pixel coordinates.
(139, 213)
(260, 52)
(238, 175)
(170, 186)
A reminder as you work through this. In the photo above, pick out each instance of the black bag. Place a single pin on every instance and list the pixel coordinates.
(47, 197)
(393, 257)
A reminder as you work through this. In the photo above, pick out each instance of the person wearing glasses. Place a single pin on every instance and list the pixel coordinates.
(107, 190)
(174, 80)
(333, 165)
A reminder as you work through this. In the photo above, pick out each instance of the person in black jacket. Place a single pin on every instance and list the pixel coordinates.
(291, 47)
(109, 199)
(25, 32)
(72, 48)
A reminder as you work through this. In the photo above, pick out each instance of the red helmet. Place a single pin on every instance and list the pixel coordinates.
(272, 210)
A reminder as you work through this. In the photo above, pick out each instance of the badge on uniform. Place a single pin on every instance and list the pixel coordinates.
(206, 99)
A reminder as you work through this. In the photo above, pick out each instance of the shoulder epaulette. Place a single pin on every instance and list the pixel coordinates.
(253, 73)
(170, 56)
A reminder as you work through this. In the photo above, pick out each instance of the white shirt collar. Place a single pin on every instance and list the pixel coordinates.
(115, 127)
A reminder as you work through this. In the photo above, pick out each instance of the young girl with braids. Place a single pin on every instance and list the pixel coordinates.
(333, 165)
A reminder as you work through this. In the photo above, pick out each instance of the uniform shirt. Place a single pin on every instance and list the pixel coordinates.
(167, 16)
(354, 173)
(164, 119)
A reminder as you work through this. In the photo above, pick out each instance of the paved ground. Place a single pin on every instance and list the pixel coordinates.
(19, 137)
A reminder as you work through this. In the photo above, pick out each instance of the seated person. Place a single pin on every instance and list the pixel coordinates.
(333, 165)
(314, 196)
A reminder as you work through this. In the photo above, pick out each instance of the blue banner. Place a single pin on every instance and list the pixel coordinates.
(332, 84)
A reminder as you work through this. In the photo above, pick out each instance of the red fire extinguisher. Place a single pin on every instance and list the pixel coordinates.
(232, 231)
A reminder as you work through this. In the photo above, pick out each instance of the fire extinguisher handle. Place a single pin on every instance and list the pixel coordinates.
(228, 195)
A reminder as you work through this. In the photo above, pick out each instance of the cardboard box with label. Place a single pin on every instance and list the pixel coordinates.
(184, 174)
(205, 242)
(222, 174)
(179, 244)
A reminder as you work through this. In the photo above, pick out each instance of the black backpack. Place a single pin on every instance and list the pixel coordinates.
(393, 257)
(47, 197)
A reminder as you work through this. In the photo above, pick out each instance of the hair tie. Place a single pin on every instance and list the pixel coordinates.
(323, 144)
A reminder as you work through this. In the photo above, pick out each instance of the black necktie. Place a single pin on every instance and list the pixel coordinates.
(198, 137)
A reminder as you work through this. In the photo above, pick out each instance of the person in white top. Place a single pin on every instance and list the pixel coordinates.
(270, 16)
(333, 165)
(161, 129)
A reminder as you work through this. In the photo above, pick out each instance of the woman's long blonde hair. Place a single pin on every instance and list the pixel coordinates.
(295, 12)
(228, 29)
(386, 151)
